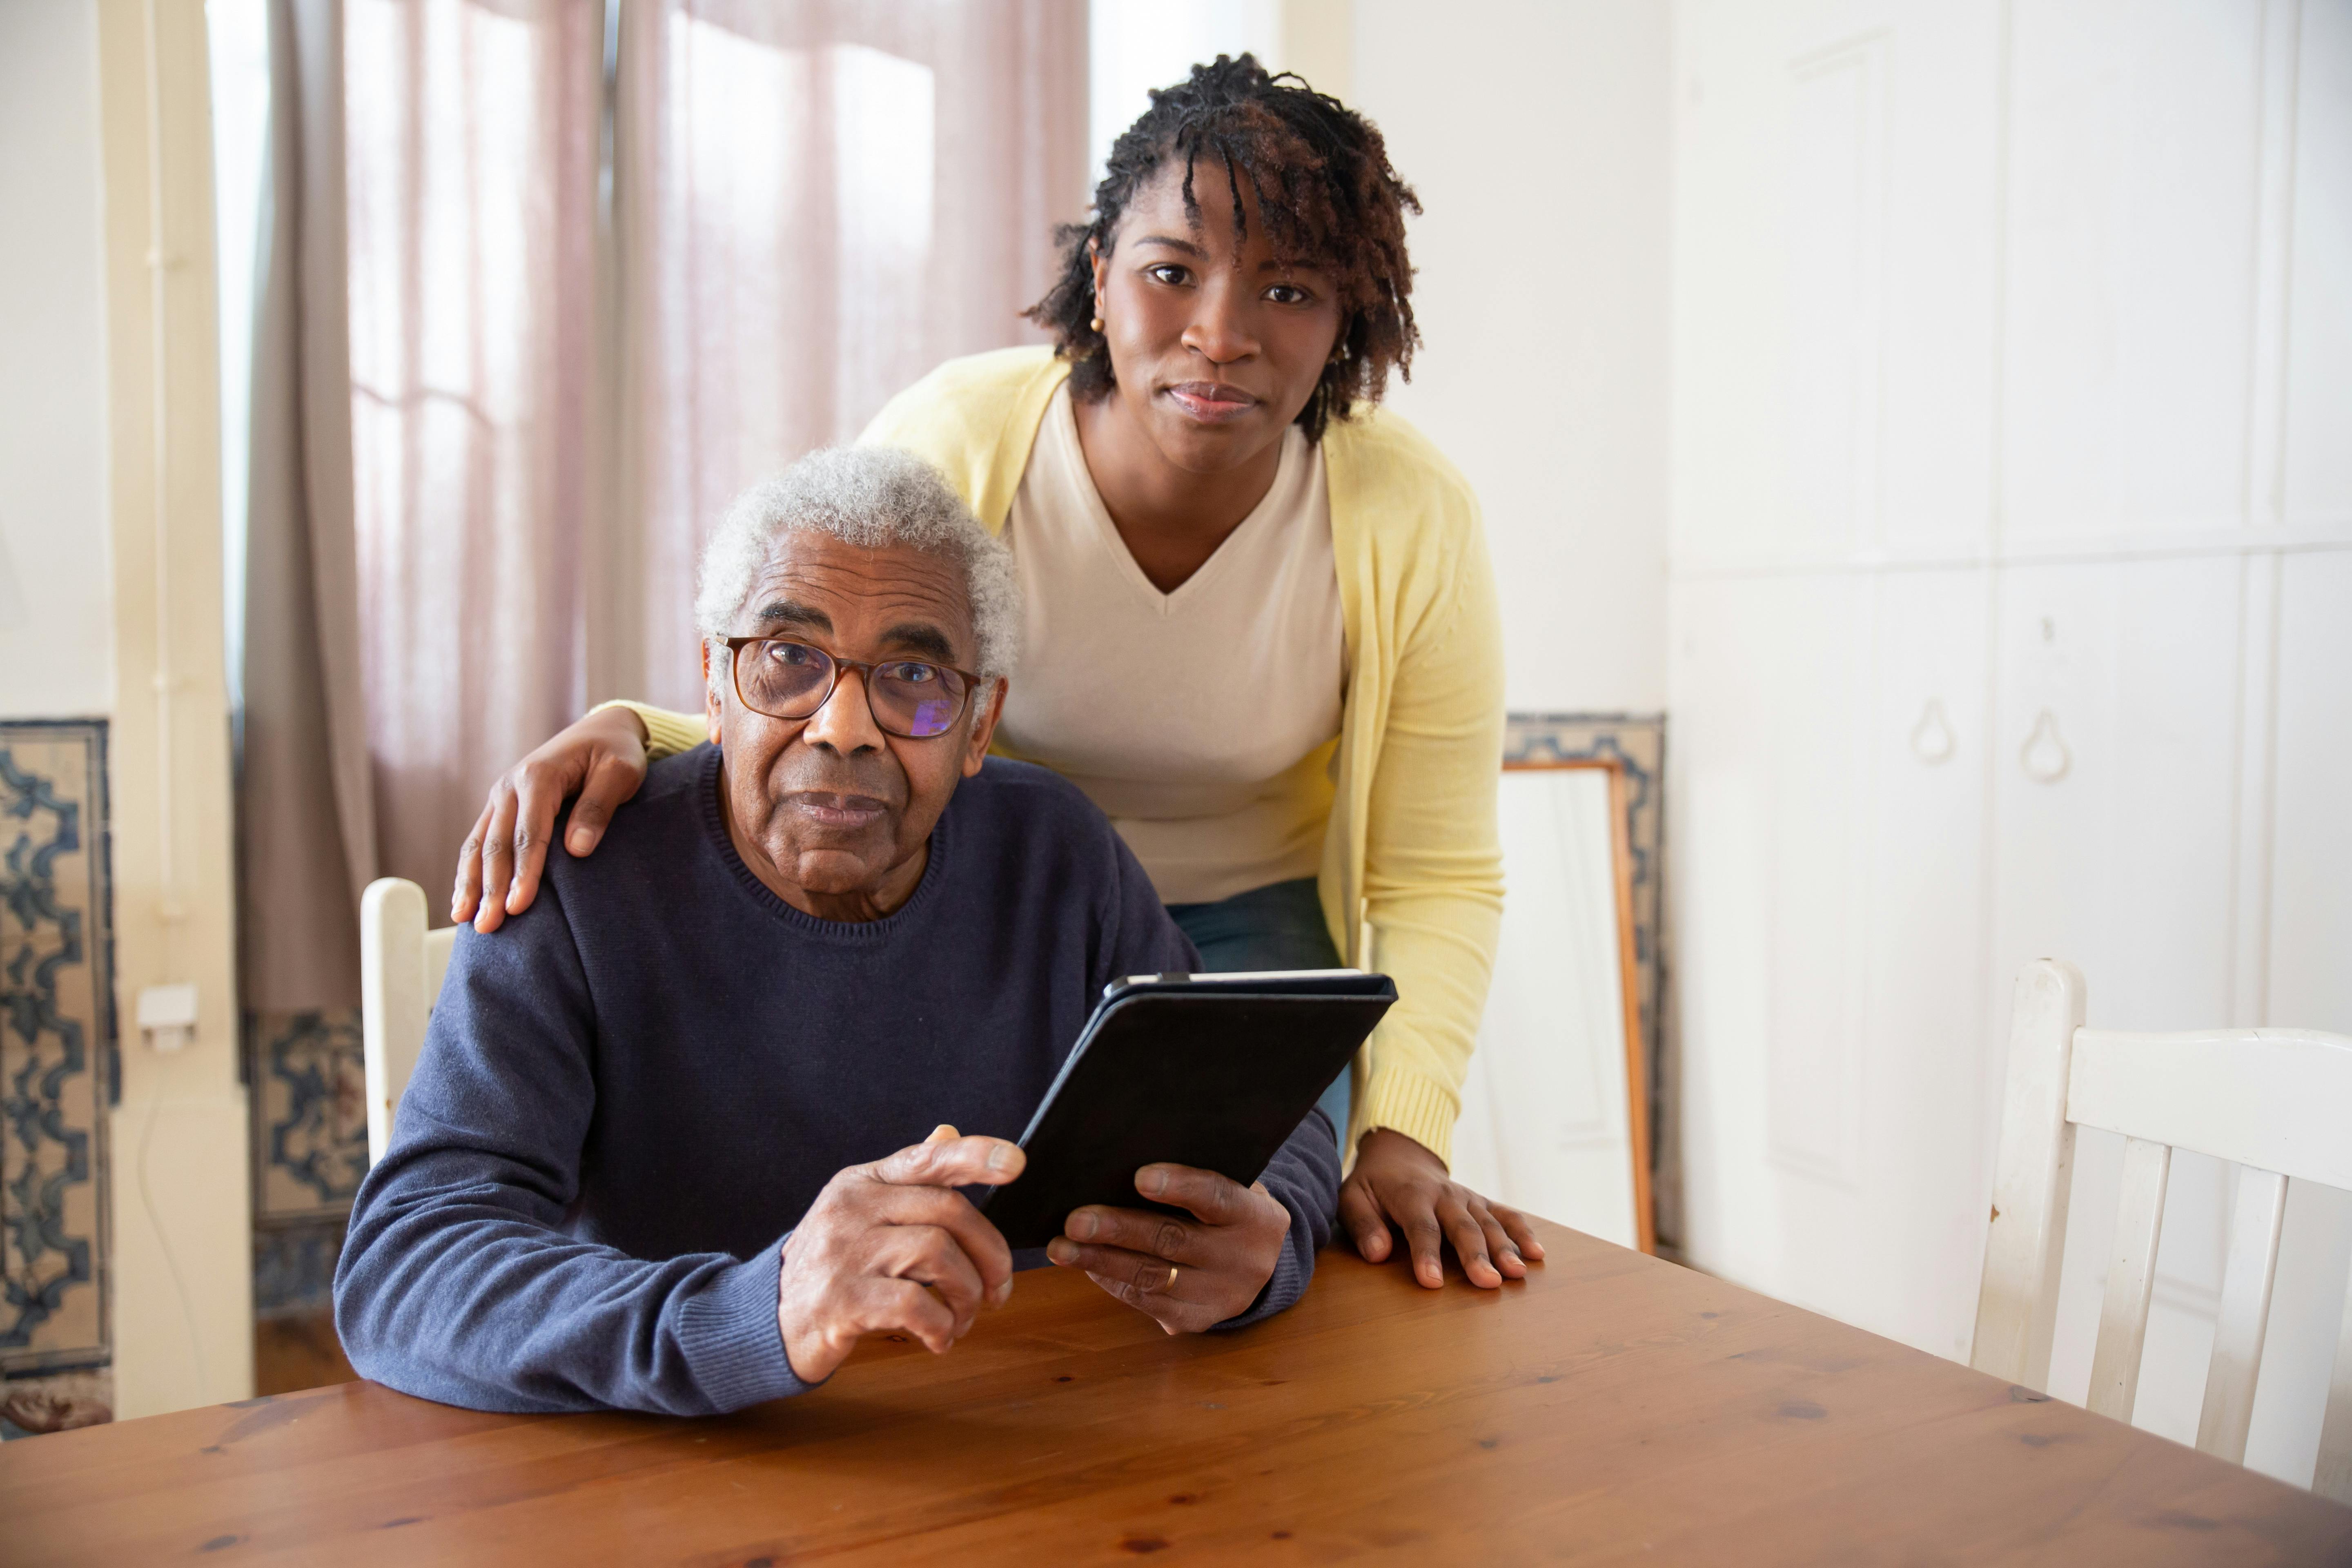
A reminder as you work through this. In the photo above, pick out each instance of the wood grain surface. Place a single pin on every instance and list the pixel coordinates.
(1614, 1408)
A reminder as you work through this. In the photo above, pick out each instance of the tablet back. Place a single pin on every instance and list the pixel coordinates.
(1209, 1073)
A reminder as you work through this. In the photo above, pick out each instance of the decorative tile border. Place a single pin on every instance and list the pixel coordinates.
(294, 1267)
(56, 1044)
(310, 1113)
(309, 1081)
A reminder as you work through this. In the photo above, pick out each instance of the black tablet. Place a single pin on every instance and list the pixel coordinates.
(1209, 1070)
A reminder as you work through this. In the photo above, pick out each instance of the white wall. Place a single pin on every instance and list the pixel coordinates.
(1536, 133)
(57, 645)
(1135, 46)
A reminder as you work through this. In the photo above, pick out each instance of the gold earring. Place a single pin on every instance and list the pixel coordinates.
(1098, 323)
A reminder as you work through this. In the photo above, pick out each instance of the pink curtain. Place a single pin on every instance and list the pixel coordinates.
(585, 311)
(472, 149)
(816, 204)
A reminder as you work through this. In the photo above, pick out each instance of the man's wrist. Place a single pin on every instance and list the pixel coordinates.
(733, 1338)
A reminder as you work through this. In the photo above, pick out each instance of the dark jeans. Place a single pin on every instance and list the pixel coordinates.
(1279, 926)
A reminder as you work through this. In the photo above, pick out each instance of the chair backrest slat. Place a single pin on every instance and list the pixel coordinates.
(401, 968)
(2238, 1333)
(2131, 1279)
(2334, 1476)
(2017, 1314)
(2271, 1098)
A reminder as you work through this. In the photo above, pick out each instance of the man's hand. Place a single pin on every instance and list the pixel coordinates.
(1397, 1179)
(879, 1235)
(602, 759)
(1185, 1275)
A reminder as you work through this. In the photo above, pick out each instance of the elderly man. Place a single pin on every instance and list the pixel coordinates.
(644, 1161)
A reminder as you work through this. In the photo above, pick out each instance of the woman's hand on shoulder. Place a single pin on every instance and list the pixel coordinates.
(1398, 1181)
(600, 758)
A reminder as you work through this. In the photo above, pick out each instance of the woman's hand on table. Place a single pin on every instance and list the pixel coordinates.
(602, 759)
(1398, 1181)
(1184, 1274)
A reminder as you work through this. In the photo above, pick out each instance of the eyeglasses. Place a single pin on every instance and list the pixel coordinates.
(908, 698)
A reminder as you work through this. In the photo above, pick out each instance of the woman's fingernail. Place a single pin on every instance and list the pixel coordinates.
(1152, 1182)
(1060, 1250)
(1005, 1157)
(1083, 1225)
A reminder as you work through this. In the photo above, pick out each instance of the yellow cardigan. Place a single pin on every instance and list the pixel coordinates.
(1412, 877)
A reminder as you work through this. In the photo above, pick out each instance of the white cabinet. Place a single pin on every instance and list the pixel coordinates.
(2115, 772)
(1827, 821)
(2303, 969)
(2012, 607)
(2135, 161)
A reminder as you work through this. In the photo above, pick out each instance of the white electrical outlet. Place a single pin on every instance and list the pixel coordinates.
(167, 1016)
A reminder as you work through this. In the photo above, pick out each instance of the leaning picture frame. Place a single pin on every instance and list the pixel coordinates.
(1555, 1115)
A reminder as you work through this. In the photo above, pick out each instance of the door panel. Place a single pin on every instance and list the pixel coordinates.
(1834, 281)
(2318, 464)
(2134, 131)
(2310, 948)
(1830, 746)
(2113, 782)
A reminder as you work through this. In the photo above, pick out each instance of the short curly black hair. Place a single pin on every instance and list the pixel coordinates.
(1320, 173)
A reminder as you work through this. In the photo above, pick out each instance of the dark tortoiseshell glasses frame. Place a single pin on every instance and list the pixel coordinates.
(898, 711)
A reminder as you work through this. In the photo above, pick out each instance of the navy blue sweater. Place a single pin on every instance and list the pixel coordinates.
(632, 1092)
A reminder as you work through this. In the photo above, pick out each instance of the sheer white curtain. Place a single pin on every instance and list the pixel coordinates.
(472, 145)
(603, 271)
(816, 204)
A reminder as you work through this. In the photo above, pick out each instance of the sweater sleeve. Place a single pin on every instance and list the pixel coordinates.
(666, 734)
(1433, 852)
(457, 1282)
(1303, 1177)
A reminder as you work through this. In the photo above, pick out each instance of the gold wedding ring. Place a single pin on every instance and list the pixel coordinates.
(1172, 1272)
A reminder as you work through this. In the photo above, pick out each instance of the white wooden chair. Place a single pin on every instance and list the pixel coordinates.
(2277, 1101)
(401, 966)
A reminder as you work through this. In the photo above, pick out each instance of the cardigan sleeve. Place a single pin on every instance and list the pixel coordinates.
(1433, 878)
(666, 734)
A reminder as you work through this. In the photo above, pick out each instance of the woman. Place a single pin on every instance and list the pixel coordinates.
(1261, 628)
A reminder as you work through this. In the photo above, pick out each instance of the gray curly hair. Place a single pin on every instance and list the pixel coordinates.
(871, 497)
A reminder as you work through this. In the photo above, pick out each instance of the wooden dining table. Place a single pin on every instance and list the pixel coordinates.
(1611, 1408)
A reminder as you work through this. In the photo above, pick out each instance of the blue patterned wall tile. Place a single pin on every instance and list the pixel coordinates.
(57, 1040)
(308, 1081)
(294, 1267)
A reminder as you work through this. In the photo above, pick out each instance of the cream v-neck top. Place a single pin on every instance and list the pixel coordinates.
(1201, 722)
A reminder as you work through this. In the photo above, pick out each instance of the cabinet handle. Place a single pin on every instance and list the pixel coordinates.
(2044, 756)
(1932, 741)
